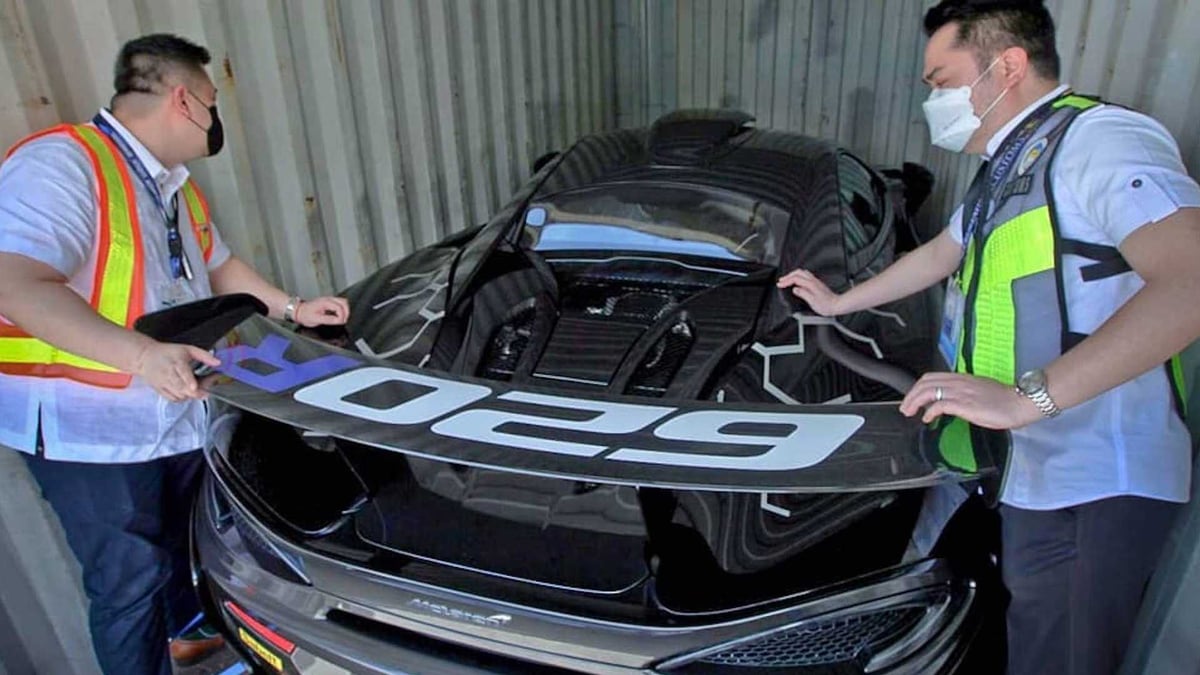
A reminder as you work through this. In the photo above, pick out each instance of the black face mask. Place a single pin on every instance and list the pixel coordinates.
(215, 131)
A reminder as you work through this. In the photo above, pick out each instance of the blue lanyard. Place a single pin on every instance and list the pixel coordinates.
(998, 169)
(180, 267)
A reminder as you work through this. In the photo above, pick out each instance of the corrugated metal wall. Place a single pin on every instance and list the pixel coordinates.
(356, 130)
(361, 129)
(850, 69)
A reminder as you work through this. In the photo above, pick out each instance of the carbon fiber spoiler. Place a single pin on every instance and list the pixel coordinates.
(692, 445)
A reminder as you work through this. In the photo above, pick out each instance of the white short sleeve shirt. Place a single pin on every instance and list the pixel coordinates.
(48, 212)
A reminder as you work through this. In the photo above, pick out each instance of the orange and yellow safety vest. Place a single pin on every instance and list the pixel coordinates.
(119, 282)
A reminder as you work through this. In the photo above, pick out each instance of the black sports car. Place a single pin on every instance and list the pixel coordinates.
(592, 436)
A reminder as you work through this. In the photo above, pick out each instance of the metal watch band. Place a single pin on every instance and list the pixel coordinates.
(1041, 399)
(289, 310)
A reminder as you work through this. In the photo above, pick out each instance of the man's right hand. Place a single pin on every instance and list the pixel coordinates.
(806, 286)
(167, 367)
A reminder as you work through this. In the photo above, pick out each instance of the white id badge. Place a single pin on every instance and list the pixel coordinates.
(173, 293)
(952, 323)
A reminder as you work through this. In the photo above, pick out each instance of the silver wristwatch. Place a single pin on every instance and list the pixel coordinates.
(289, 310)
(1032, 385)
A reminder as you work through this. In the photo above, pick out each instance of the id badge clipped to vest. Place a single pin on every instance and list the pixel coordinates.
(173, 293)
(952, 323)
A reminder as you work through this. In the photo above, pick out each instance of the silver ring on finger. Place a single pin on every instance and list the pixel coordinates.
(938, 394)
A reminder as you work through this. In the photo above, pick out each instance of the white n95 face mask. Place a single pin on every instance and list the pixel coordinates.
(951, 117)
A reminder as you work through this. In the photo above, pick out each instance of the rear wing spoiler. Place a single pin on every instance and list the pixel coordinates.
(691, 445)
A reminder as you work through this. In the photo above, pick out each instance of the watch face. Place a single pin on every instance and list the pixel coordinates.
(1032, 381)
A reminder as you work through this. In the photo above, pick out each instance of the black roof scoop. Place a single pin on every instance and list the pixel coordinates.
(687, 137)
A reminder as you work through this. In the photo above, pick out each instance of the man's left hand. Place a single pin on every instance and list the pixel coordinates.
(327, 311)
(979, 400)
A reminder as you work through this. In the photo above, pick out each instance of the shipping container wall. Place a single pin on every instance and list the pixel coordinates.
(851, 70)
(359, 130)
(356, 131)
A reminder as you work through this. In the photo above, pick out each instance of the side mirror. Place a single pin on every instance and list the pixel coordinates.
(201, 323)
(914, 183)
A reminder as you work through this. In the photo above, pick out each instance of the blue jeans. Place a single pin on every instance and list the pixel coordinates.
(128, 526)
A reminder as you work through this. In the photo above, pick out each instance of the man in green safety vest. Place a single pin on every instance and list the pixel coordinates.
(1072, 266)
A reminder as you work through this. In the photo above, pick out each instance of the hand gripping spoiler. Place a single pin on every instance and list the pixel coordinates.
(692, 445)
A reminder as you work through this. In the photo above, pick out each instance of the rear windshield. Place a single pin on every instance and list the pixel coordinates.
(655, 217)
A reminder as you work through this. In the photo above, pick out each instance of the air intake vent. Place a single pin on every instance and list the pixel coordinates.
(825, 643)
(508, 343)
(658, 367)
(691, 136)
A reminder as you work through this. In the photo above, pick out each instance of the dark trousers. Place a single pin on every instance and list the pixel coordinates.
(128, 526)
(1077, 577)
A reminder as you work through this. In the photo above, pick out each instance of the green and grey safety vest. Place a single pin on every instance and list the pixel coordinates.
(1012, 277)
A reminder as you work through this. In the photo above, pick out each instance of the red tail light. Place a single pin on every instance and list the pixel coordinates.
(278, 641)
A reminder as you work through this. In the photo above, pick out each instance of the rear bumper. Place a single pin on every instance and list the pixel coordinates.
(333, 617)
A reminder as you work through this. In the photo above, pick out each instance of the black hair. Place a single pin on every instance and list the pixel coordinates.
(991, 26)
(145, 61)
